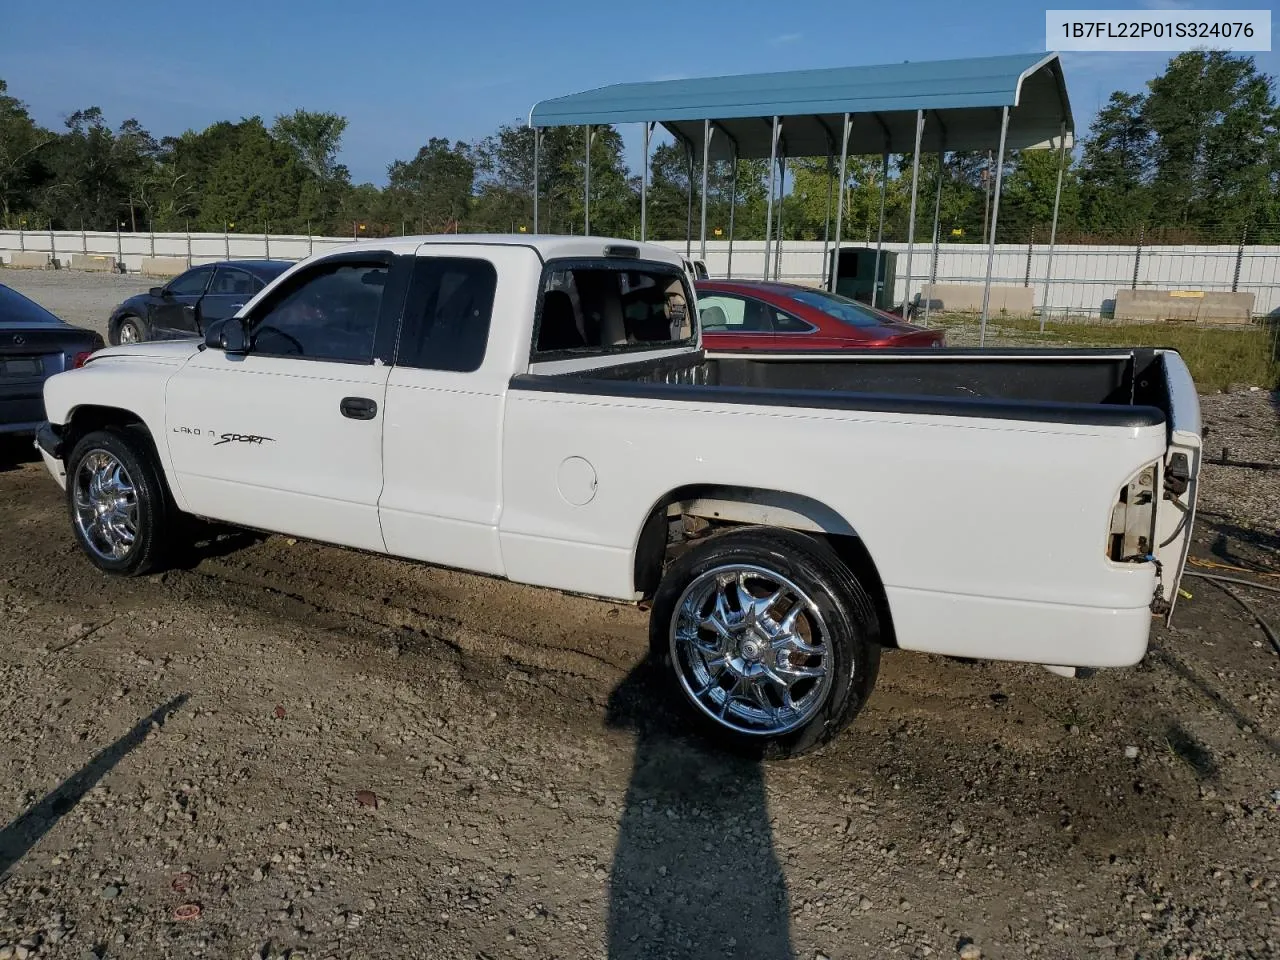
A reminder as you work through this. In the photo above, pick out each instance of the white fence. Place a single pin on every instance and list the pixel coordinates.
(1084, 278)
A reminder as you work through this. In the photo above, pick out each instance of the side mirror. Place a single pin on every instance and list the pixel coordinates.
(156, 291)
(230, 336)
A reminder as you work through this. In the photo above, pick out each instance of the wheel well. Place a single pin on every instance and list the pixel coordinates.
(87, 418)
(691, 513)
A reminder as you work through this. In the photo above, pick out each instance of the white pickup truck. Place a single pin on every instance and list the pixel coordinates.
(540, 409)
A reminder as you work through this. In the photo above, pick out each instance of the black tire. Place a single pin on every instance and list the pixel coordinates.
(144, 331)
(156, 517)
(846, 618)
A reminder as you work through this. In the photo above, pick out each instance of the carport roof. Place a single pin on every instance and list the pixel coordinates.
(961, 100)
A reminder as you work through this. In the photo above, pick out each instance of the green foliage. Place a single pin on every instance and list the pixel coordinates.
(1194, 157)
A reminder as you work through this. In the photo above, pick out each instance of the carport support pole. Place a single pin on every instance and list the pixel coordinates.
(782, 193)
(537, 143)
(826, 221)
(911, 222)
(644, 184)
(844, 165)
(688, 215)
(733, 203)
(586, 187)
(937, 214)
(875, 273)
(768, 211)
(995, 217)
(1053, 229)
(706, 157)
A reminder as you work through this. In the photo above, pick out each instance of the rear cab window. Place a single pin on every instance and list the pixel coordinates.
(609, 306)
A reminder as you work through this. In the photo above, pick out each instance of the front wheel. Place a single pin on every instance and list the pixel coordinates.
(130, 330)
(769, 640)
(121, 512)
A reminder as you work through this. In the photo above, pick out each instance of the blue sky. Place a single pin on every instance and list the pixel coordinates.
(402, 71)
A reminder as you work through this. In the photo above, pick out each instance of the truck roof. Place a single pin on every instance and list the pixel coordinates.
(547, 246)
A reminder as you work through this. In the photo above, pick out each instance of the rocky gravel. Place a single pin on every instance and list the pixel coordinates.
(285, 750)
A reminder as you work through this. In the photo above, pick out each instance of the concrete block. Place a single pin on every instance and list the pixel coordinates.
(31, 259)
(163, 266)
(967, 298)
(1192, 306)
(90, 261)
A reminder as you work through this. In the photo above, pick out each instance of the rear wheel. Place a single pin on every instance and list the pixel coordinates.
(121, 511)
(767, 638)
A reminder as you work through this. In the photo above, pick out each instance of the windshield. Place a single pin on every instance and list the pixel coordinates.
(848, 311)
(17, 311)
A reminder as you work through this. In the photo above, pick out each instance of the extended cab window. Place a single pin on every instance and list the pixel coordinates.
(329, 313)
(446, 319)
(608, 306)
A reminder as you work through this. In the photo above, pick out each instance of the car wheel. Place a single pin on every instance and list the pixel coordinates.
(130, 330)
(121, 511)
(767, 638)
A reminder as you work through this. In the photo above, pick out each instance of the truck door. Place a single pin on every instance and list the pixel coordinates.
(441, 496)
(288, 436)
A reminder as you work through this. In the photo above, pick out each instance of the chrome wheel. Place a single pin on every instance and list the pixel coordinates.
(751, 650)
(106, 505)
(128, 332)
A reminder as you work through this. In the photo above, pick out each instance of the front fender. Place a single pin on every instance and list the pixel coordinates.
(114, 389)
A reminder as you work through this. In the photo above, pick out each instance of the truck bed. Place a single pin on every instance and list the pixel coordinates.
(1102, 387)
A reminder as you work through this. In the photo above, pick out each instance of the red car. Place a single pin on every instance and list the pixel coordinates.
(758, 315)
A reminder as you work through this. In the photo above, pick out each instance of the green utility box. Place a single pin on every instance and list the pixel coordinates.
(855, 268)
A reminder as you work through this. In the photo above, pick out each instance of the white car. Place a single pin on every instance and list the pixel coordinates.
(540, 409)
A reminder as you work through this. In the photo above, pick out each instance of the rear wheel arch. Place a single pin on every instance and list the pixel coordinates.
(720, 507)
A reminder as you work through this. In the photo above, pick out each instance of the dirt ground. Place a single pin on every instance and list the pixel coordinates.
(289, 750)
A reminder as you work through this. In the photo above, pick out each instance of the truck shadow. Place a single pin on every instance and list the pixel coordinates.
(694, 871)
(26, 830)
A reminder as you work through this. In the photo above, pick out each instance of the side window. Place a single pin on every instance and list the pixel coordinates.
(191, 283)
(786, 323)
(611, 306)
(720, 313)
(741, 314)
(446, 321)
(329, 313)
(228, 281)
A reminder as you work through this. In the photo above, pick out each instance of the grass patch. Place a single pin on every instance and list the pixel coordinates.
(1218, 357)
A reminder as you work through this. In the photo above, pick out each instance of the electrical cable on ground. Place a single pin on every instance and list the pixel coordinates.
(1224, 583)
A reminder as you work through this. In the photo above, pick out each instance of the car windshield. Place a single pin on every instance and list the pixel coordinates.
(843, 309)
(17, 311)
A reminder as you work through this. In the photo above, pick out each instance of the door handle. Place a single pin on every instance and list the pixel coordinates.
(358, 408)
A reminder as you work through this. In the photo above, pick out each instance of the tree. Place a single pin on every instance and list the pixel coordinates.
(316, 140)
(23, 145)
(1027, 205)
(1114, 195)
(254, 182)
(1214, 122)
(433, 189)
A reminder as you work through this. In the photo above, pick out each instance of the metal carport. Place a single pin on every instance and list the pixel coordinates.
(1016, 102)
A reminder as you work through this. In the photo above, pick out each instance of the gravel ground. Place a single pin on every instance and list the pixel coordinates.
(290, 750)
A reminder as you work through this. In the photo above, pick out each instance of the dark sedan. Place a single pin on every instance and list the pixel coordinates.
(189, 302)
(756, 315)
(34, 345)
